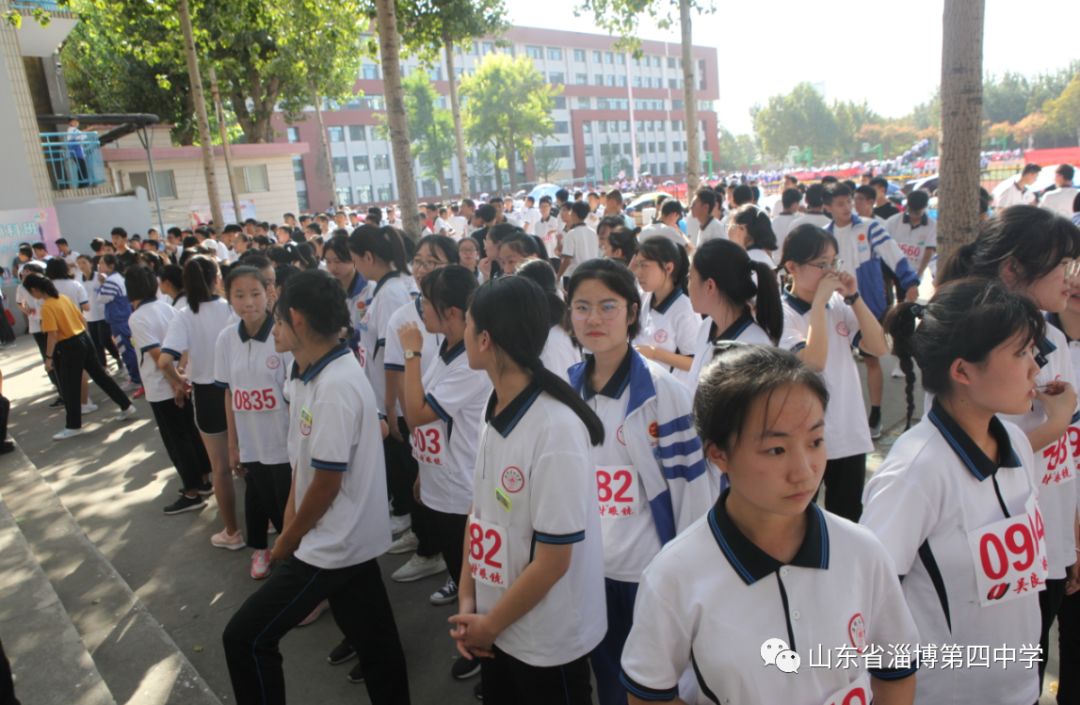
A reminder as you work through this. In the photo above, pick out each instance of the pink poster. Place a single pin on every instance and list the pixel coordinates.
(26, 225)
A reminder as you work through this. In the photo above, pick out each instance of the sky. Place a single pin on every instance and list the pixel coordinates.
(886, 52)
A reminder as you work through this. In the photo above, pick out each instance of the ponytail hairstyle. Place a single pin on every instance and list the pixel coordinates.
(173, 274)
(615, 276)
(507, 308)
(1030, 240)
(759, 230)
(385, 244)
(540, 271)
(39, 282)
(442, 244)
(305, 255)
(200, 275)
(624, 240)
(734, 273)
(141, 284)
(663, 251)
(448, 287)
(339, 245)
(318, 297)
(966, 319)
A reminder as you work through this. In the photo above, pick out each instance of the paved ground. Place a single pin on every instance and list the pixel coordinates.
(116, 478)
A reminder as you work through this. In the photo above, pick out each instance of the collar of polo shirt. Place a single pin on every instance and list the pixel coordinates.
(614, 387)
(261, 335)
(451, 354)
(736, 329)
(967, 450)
(505, 421)
(664, 305)
(316, 367)
(800, 306)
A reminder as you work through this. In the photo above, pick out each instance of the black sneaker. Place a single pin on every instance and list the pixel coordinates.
(464, 669)
(356, 675)
(478, 691)
(185, 504)
(56, 403)
(6, 447)
(342, 653)
(206, 489)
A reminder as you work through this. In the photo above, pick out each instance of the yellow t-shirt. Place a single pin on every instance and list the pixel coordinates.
(60, 315)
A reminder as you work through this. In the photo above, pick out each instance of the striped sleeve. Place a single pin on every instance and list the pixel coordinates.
(883, 246)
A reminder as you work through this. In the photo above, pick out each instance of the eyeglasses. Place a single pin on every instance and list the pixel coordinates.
(426, 264)
(834, 266)
(608, 311)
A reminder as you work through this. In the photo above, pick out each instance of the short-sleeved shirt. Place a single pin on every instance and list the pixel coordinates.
(334, 427)
(97, 307)
(670, 325)
(394, 354)
(781, 225)
(712, 230)
(149, 324)
(935, 487)
(548, 231)
(913, 238)
(560, 353)
(534, 483)
(254, 375)
(661, 230)
(712, 599)
(387, 295)
(818, 219)
(847, 431)
(582, 244)
(1060, 200)
(744, 330)
(60, 315)
(33, 318)
(197, 335)
(73, 290)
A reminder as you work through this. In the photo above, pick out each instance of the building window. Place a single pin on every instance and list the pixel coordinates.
(675, 105)
(386, 193)
(534, 52)
(596, 57)
(620, 80)
(656, 62)
(602, 104)
(298, 169)
(252, 179)
(560, 103)
(336, 134)
(603, 125)
(613, 125)
(360, 163)
(356, 133)
(581, 78)
(293, 134)
(671, 62)
(341, 165)
(435, 73)
(561, 127)
(624, 126)
(637, 81)
(588, 150)
(583, 103)
(344, 194)
(164, 180)
(599, 79)
(556, 78)
(554, 54)
(488, 47)
(609, 58)
(302, 200)
(369, 72)
(382, 161)
(586, 127)
(609, 80)
(652, 148)
(363, 194)
(579, 55)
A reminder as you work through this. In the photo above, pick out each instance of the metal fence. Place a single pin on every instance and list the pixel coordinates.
(73, 158)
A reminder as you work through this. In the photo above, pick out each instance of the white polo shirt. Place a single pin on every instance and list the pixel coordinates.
(913, 238)
(74, 291)
(534, 483)
(781, 225)
(97, 307)
(711, 599)
(661, 230)
(22, 296)
(582, 243)
(254, 375)
(744, 329)
(1060, 200)
(929, 503)
(819, 219)
(548, 231)
(445, 449)
(560, 353)
(358, 297)
(197, 335)
(847, 431)
(394, 354)
(334, 427)
(712, 230)
(1015, 195)
(387, 295)
(670, 325)
(149, 324)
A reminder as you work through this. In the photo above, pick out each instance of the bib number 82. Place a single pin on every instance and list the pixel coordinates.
(621, 479)
(484, 545)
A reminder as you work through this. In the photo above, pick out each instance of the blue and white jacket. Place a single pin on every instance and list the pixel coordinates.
(864, 245)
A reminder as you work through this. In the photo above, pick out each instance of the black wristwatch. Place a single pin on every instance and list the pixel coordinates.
(850, 300)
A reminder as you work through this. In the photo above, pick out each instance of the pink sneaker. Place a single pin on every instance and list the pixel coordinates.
(260, 564)
(231, 542)
(315, 613)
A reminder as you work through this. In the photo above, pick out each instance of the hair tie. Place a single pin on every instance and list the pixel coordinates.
(918, 310)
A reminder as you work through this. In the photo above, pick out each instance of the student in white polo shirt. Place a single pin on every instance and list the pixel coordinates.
(766, 574)
(915, 232)
(782, 221)
(1018, 193)
(701, 210)
(548, 226)
(668, 331)
(253, 374)
(336, 524)
(955, 502)
(739, 298)
(824, 317)
(339, 263)
(560, 351)
(1060, 199)
(671, 212)
(651, 478)
(531, 599)
(580, 243)
(1029, 249)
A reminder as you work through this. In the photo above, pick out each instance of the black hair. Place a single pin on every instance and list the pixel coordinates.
(850, 185)
(790, 197)
(522, 244)
(141, 284)
(38, 282)
(26, 251)
(244, 270)
(742, 195)
(837, 191)
(313, 228)
(339, 245)
(739, 374)
(1031, 169)
(541, 272)
(562, 195)
(733, 272)
(258, 260)
(384, 243)
(1065, 171)
(815, 196)
(758, 227)
(318, 297)
(829, 179)
(1076, 203)
(966, 319)
(486, 213)
(707, 196)
(284, 272)
(507, 309)
(580, 209)
(1034, 240)
(118, 231)
(233, 228)
(670, 206)
(502, 231)
(662, 250)
(866, 192)
(805, 242)
(917, 200)
(880, 181)
(110, 260)
(96, 244)
(984, 201)
(57, 268)
(624, 240)
(443, 244)
(63, 241)
(200, 273)
(174, 274)
(617, 277)
(449, 287)
(305, 255)
(614, 195)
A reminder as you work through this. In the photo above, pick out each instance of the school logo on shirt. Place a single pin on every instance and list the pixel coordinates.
(305, 421)
(660, 336)
(619, 436)
(513, 479)
(842, 329)
(654, 430)
(857, 631)
(273, 362)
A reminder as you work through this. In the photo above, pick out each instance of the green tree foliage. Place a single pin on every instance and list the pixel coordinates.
(801, 118)
(736, 153)
(431, 128)
(508, 106)
(1063, 112)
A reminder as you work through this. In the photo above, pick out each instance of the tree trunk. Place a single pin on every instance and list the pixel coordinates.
(324, 155)
(693, 139)
(455, 110)
(961, 123)
(219, 112)
(200, 112)
(389, 50)
(511, 165)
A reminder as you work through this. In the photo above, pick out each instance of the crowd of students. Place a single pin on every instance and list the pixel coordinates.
(612, 440)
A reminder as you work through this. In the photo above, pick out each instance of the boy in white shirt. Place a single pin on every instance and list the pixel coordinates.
(580, 243)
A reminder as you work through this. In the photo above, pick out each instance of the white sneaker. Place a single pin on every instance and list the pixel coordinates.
(128, 413)
(418, 567)
(400, 524)
(406, 543)
(89, 407)
(897, 373)
(67, 433)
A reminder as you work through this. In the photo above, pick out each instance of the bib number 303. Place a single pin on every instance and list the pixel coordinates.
(487, 553)
(1010, 556)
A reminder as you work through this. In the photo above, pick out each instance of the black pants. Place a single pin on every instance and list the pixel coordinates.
(448, 538)
(1049, 604)
(7, 686)
(1069, 650)
(360, 607)
(5, 411)
(182, 441)
(401, 471)
(843, 481)
(508, 681)
(266, 491)
(42, 342)
(101, 334)
(70, 358)
(7, 335)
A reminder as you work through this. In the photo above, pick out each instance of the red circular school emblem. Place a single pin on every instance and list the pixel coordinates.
(857, 632)
(654, 430)
(862, 237)
(660, 336)
(305, 428)
(273, 362)
(513, 479)
(619, 435)
(842, 329)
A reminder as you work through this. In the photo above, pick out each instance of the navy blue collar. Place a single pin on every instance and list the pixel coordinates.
(453, 353)
(385, 278)
(615, 387)
(750, 562)
(967, 450)
(736, 329)
(663, 306)
(505, 421)
(1045, 347)
(922, 221)
(418, 301)
(261, 335)
(800, 306)
(316, 367)
(357, 285)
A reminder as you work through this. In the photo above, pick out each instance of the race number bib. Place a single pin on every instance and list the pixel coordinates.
(487, 553)
(429, 444)
(1072, 442)
(1010, 556)
(857, 693)
(254, 400)
(617, 490)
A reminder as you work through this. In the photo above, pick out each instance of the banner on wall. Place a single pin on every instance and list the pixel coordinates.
(26, 225)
